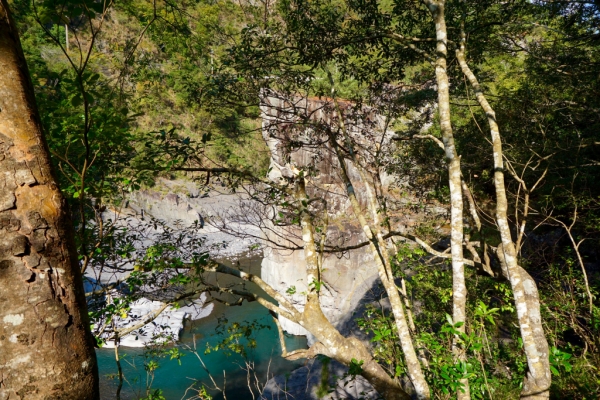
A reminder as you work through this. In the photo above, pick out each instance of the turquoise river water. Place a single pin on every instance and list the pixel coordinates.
(174, 378)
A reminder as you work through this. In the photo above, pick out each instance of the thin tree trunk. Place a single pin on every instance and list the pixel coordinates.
(331, 342)
(46, 350)
(537, 382)
(415, 372)
(380, 253)
(459, 289)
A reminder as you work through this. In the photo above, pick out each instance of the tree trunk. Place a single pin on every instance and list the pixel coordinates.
(413, 365)
(533, 386)
(536, 384)
(459, 289)
(331, 342)
(46, 350)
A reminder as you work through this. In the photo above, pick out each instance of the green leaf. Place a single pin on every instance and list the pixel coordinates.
(449, 319)
(76, 100)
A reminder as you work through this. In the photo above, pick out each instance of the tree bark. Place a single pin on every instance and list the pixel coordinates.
(533, 387)
(378, 248)
(536, 384)
(46, 349)
(459, 288)
(331, 342)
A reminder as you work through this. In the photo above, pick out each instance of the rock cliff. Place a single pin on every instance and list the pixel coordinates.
(180, 201)
(348, 275)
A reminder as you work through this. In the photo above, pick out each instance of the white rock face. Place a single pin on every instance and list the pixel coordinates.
(179, 201)
(348, 275)
(176, 203)
(166, 327)
(347, 279)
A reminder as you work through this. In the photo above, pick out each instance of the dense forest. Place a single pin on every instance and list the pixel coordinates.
(454, 145)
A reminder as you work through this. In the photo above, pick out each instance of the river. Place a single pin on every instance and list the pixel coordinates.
(174, 377)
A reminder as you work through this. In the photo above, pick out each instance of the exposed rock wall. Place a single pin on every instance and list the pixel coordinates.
(174, 203)
(180, 201)
(295, 145)
(347, 278)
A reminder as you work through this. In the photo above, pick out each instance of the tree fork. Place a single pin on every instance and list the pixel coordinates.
(47, 349)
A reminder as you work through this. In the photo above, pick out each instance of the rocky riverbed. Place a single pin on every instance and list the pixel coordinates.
(176, 204)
